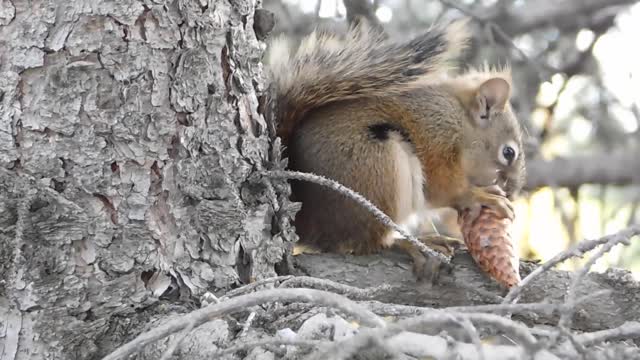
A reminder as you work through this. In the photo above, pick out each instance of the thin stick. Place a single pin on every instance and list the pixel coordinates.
(240, 303)
(361, 200)
(577, 250)
(567, 315)
(271, 341)
(344, 349)
(572, 338)
(247, 324)
(383, 309)
(492, 28)
(628, 330)
(473, 335)
(351, 292)
(176, 341)
(495, 321)
(250, 287)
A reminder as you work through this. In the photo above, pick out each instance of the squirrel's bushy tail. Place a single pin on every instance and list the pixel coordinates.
(325, 68)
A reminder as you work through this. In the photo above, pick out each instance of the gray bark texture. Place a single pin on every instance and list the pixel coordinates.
(466, 285)
(131, 138)
(129, 131)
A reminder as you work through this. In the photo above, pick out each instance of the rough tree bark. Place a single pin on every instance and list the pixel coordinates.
(466, 285)
(128, 132)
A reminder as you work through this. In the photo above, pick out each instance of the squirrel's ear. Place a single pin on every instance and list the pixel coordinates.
(491, 96)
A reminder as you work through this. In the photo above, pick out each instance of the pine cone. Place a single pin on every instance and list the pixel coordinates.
(488, 239)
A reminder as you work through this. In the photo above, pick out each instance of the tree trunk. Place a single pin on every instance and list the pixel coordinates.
(132, 138)
(129, 131)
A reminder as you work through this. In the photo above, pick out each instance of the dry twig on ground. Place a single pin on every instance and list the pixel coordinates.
(241, 303)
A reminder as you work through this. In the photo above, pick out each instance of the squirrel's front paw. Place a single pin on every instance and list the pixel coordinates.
(429, 268)
(492, 197)
(443, 244)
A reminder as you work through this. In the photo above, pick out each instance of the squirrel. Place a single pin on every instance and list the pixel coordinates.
(387, 120)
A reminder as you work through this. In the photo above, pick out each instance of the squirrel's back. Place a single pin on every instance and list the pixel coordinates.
(325, 69)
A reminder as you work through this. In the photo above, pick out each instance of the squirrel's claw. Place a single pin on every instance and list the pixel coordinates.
(495, 190)
(429, 268)
(492, 197)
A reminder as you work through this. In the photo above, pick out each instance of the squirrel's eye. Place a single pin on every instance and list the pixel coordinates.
(508, 154)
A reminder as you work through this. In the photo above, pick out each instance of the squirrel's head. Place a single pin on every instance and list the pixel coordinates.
(493, 151)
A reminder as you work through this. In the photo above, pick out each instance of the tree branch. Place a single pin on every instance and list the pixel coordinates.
(359, 9)
(565, 15)
(615, 303)
(620, 168)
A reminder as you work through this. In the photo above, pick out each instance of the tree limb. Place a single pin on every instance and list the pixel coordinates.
(620, 168)
(359, 9)
(566, 15)
(619, 302)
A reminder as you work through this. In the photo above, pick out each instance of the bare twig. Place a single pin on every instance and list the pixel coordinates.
(567, 315)
(423, 346)
(208, 298)
(361, 9)
(317, 9)
(578, 250)
(635, 204)
(542, 71)
(351, 292)
(271, 341)
(540, 308)
(437, 318)
(473, 335)
(384, 348)
(383, 309)
(240, 303)
(250, 287)
(494, 28)
(572, 338)
(628, 330)
(176, 341)
(346, 348)
(497, 322)
(361, 200)
(566, 15)
(466, 11)
(247, 324)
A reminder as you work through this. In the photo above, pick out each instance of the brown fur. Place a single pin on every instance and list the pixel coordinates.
(405, 142)
(325, 68)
